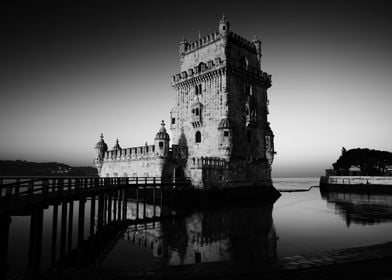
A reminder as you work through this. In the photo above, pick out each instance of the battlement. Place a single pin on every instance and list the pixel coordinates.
(133, 153)
(242, 41)
(188, 47)
(201, 69)
(218, 63)
(200, 43)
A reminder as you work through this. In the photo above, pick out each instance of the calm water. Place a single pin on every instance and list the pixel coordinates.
(298, 222)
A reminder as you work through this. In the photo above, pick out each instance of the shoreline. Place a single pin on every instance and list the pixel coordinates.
(368, 262)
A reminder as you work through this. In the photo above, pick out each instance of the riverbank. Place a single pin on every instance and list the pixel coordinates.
(370, 262)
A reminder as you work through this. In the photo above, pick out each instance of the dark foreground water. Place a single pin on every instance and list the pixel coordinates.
(298, 222)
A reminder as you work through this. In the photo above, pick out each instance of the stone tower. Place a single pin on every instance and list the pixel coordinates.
(221, 109)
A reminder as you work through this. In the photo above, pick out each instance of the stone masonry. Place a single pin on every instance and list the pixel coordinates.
(221, 135)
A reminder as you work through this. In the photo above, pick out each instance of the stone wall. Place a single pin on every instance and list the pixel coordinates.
(358, 180)
(152, 167)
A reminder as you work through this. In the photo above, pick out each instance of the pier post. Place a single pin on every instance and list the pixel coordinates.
(105, 208)
(109, 207)
(115, 193)
(35, 242)
(45, 187)
(82, 203)
(137, 202)
(70, 225)
(124, 212)
(144, 200)
(101, 203)
(154, 200)
(63, 238)
(92, 215)
(17, 188)
(30, 188)
(119, 197)
(70, 185)
(4, 235)
(54, 234)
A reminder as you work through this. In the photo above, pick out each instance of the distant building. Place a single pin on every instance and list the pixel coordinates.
(221, 135)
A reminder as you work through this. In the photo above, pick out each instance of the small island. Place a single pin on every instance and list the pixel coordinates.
(360, 170)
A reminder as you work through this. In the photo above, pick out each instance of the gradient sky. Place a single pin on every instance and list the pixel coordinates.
(70, 72)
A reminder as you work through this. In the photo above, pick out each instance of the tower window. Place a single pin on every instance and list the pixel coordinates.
(198, 137)
(161, 145)
(173, 120)
(225, 133)
(198, 89)
(249, 136)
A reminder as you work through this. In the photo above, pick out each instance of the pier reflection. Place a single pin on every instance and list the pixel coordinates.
(78, 231)
(359, 208)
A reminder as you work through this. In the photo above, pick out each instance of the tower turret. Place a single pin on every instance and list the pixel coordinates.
(100, 149)
(117, 146)
(224, 26)
(256, 41)
(161, 141)
(183, 46)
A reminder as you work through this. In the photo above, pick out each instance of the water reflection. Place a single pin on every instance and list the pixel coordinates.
(244, 235)
(98, 231)
(364, 209)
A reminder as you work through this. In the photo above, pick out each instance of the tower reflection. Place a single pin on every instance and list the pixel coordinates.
(243, 235)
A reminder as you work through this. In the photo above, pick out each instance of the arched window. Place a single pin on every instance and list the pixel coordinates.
(198, 137)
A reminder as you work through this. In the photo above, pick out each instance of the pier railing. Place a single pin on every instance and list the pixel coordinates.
(25, 186)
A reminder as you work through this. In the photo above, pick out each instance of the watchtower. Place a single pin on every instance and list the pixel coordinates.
(221, 109)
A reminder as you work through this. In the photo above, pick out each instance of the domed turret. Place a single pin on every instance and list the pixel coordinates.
(101, 147)
(224, 26)
(117, 146)
(162, 140)
(162, 134)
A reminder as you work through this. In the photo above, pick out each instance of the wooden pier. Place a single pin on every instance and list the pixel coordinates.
(18, 194)
(108, 214)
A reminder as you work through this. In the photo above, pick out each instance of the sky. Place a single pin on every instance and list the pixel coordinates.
(69, 72)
